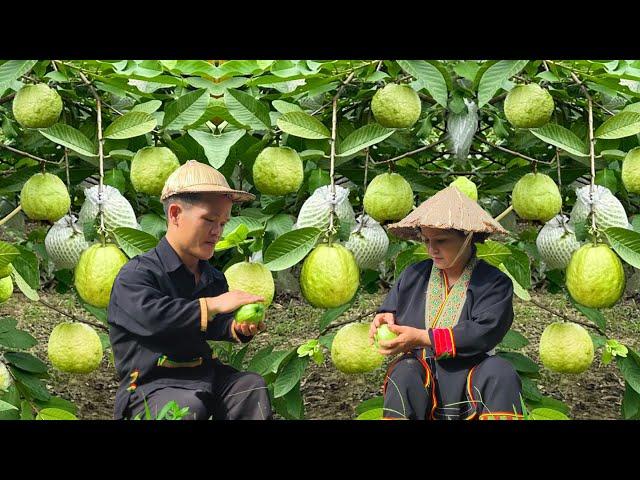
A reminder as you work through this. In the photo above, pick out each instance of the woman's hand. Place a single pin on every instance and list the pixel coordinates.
(379, 319)
(409, 338)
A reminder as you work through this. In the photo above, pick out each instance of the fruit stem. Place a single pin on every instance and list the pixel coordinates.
(564, 224)
(504, 214)
(364, 186)
(593, 171)
(66, 166)
(591, 156)
(11, 215)
(334, 125)
(102, 229)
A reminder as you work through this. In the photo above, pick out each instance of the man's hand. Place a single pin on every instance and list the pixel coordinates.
(379, 319)
(230, 301)
(249, 329)
(408, 339)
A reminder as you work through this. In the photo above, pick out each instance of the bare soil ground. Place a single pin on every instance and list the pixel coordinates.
(329, 394)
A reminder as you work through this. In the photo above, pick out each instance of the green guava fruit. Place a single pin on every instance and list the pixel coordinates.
(150, 168)
(251, 313)
(278, 171)
(6, 289)
(45, 197)
(37, 106)
(631, 171)
(536, 197)
(566, 347)
(5, 271)
(528, 106)
(396, 106)
(329, 276)
(96, 271)
(351, 351)
(595, 277)
(251, 277)
(467, 187)
(388, 197)
(74, 348)
(384, 334)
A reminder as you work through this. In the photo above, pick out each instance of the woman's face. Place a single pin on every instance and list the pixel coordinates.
(443, 246)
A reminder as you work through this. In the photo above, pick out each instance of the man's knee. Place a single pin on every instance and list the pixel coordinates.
(191, 399)
(253, 380)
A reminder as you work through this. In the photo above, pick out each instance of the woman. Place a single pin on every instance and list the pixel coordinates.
(449, 313)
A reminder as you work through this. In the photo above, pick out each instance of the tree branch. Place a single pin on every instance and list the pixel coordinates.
(81, 320)
(565, 317)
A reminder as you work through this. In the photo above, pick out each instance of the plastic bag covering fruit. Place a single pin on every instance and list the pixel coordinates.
(556, 243)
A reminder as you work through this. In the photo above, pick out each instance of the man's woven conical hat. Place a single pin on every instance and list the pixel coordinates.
(447, 209)
(195, 176)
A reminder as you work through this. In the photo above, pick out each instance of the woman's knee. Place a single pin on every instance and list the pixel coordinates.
(499, 370)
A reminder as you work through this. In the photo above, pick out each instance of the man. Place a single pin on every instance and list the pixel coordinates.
(166, 303)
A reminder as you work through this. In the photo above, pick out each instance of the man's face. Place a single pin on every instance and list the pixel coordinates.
(198, 227)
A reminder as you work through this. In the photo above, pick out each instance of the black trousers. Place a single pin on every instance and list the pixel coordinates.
(234, 395)
(418, 388)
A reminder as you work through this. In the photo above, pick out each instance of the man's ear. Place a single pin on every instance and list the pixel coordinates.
(174, 212)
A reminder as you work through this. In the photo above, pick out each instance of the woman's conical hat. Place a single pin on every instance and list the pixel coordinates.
(447, 209)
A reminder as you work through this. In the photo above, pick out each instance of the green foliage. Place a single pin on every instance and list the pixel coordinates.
(225, 114)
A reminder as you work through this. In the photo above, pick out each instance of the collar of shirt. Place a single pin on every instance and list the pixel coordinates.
(173, 264)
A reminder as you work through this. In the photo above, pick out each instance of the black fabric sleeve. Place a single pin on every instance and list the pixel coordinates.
(491, 318)
(221, 325)
(139, 306)
(390, 303)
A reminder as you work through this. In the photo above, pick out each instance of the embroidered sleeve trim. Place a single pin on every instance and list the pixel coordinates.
(204, 315)
(443, 343)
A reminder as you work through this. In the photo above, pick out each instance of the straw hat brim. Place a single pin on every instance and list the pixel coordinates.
(447, 209)
(234, 195)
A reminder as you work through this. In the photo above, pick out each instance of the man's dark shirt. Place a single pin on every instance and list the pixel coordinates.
(155, 317)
